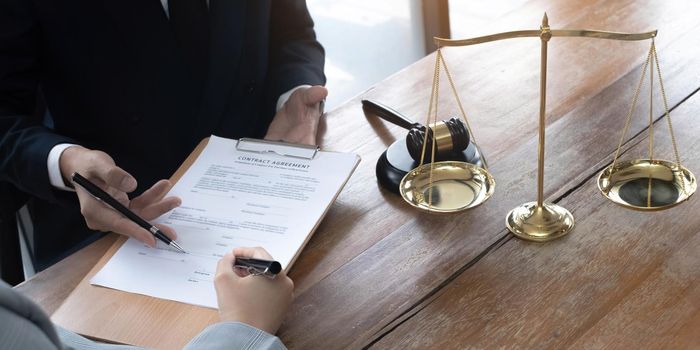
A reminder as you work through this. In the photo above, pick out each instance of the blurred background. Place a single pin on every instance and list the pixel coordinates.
(368, 40)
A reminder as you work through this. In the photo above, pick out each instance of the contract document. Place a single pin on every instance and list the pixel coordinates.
(270, 195)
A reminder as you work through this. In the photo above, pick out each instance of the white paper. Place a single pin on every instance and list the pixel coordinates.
(230, 198)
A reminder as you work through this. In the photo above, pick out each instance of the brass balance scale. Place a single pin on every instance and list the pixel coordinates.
(642, 184)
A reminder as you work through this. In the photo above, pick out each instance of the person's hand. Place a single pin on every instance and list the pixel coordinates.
(99, 168)
(258, 301)
(297, 121)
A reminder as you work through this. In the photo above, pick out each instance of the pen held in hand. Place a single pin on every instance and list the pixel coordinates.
(258, 267)
(104, 197)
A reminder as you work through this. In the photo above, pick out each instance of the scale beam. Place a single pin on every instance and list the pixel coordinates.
(583, 33)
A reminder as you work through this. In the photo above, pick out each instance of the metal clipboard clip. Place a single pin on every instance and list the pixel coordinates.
(278, 147)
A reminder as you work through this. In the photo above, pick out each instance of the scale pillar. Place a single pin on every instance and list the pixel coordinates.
(540, 221)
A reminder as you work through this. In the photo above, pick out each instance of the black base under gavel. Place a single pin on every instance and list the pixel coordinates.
(395, 163)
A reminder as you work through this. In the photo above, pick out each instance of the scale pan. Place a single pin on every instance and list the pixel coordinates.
(455, 186)
(647, 185)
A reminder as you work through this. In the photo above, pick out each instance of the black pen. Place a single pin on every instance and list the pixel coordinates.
(258, 267)
(104, 197)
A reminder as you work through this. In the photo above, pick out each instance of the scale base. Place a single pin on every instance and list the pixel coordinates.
(539, 224)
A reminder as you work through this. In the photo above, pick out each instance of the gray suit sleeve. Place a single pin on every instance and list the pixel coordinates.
(73, 341)
(17, 332)
(23, 325)
(228, 335)
(234, 335)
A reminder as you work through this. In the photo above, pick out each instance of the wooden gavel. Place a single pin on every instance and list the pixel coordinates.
(451, 136)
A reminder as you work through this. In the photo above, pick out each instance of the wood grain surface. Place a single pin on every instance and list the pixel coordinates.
(49, 288)
(380, 274)
(623, 279)
(115, 316)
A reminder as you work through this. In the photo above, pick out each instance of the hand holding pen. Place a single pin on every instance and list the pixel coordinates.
(106, 216)
(255, 300)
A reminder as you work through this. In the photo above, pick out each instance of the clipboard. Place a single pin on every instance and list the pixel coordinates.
(281, 148)
(111, 315)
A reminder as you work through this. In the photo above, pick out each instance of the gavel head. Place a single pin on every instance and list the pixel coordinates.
(451, 136)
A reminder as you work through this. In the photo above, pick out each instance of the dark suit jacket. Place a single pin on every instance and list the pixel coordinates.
(114, 79)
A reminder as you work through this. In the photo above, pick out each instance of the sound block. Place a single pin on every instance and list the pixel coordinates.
(395, 163)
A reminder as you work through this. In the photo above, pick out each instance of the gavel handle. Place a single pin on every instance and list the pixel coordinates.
(387, 114)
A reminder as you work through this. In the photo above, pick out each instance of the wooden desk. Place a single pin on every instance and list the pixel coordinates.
(380, 274)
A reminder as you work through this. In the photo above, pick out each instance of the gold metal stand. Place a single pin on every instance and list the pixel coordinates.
(540, 221)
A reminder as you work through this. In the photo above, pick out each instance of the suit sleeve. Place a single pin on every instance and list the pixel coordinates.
(20, 333)
(234, 335)
(26, 326)
(24, 140)
(224, 336)
(23, 325)
(296, 57)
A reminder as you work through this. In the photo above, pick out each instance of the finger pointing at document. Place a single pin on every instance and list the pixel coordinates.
(100, 169)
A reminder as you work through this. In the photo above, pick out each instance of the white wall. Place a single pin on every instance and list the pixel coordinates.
(366, 41)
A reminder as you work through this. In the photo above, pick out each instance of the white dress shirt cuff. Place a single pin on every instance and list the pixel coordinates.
(55, 177)
(285, 96)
